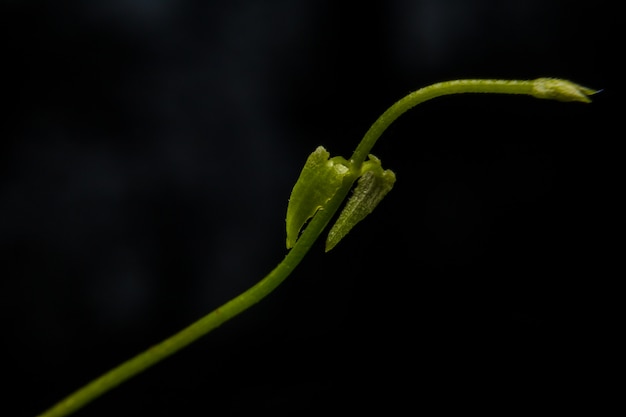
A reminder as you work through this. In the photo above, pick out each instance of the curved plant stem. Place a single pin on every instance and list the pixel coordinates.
(193, 332)
(548, 88)
(541, 88)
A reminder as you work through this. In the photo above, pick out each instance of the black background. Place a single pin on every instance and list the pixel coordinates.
(147, 153)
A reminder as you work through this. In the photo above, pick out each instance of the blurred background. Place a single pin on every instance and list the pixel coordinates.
(147, 153)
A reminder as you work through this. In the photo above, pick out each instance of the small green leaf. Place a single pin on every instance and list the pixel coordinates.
(319, 181)
(372, 186)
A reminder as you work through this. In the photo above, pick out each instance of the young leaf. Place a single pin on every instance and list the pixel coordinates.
(372, 186)
(318, 183)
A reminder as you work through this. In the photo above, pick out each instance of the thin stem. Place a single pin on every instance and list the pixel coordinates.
(220, 315)
(541, 88)
(548, 88)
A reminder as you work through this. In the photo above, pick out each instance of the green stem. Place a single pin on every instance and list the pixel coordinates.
(541, 88)
(548, 88)
(190, 334)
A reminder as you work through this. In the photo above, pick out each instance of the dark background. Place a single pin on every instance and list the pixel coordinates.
(147, 152)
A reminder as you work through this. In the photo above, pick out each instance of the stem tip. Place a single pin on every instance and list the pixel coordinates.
(561, 90)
